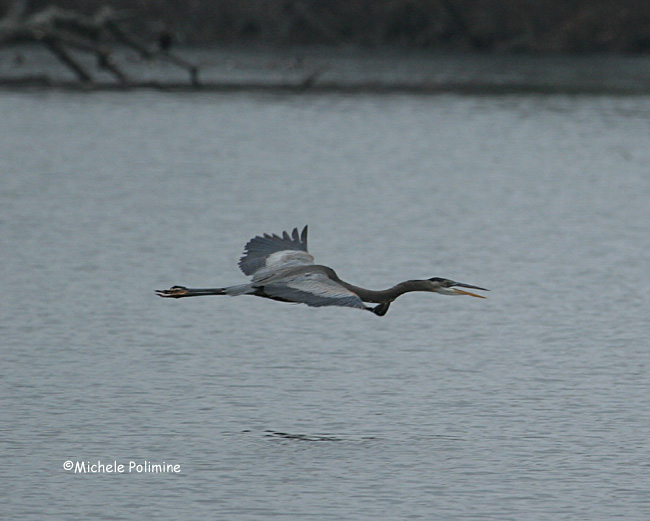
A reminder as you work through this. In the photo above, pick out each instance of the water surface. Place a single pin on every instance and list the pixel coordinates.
(530, 405)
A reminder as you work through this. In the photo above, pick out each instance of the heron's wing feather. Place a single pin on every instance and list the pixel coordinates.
(273, 252)
(314, 289)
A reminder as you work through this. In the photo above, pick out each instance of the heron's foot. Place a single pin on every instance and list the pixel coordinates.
(173, 292)
(381, 309)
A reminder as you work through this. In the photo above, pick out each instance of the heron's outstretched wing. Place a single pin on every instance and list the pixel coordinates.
(314, 289)
(271, 252)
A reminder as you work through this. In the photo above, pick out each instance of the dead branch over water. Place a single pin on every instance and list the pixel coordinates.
(64, 32)
(522, 25)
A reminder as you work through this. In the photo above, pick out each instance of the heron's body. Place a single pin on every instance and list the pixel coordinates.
(282, 269)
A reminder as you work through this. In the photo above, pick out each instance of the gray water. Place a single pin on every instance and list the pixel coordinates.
(531, 405)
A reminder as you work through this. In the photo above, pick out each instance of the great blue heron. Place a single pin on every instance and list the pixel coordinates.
(282, 269)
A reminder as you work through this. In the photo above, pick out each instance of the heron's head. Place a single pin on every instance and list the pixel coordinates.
(450, 287)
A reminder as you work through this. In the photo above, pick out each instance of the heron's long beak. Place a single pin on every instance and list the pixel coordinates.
(461, 292)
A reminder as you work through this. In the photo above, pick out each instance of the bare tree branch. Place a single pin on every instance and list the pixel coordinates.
(61, 31)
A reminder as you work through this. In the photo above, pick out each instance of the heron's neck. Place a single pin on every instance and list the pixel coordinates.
(390, 294)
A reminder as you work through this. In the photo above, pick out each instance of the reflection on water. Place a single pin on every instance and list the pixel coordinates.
(531, 404)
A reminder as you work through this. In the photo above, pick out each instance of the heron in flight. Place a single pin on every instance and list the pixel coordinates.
(282, 269)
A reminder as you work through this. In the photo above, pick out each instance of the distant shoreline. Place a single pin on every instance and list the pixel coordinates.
(323, 70)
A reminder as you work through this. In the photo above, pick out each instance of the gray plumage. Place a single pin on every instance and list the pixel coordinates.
(259, 249)
(282, 269)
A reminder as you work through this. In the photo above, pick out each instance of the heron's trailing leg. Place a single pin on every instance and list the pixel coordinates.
(173, 292)
(381, 309)
(182, 291)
